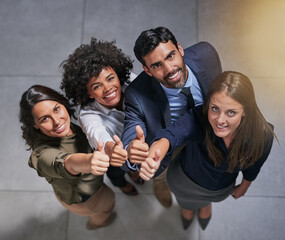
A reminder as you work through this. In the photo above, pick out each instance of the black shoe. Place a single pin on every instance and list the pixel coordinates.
(185, 222)
(203, 221)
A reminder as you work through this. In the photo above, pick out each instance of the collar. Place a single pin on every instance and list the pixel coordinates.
(99, 107)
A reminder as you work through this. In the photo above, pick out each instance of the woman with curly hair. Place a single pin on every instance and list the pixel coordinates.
(61, 154)
(93, 77)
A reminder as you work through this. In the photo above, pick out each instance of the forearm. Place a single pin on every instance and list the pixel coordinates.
(241, 189)
(245, 184)
(162, 145)
(78, 163)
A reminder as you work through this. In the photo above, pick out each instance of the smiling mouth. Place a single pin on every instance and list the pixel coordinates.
(221, 127)
(111, 95)
(60, 129)
(173, 75)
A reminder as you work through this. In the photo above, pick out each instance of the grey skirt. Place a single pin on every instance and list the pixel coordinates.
(190, 195)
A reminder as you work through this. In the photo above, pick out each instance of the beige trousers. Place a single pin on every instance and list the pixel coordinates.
(98, 207)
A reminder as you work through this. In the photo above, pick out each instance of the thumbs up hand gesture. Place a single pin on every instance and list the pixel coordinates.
(119, 154)
(150, 166)
(99, 160)
(138, 148)
(157, 152)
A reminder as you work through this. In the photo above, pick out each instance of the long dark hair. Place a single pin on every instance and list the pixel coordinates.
(252, 135)
(30, 98)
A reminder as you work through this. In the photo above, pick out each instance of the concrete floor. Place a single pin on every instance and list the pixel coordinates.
(37, 35)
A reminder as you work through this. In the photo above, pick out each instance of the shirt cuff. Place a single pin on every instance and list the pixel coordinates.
(131, 166)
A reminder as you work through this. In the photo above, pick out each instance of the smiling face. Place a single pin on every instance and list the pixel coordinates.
(52, 119)
(224, 115)
(106, 88)
(165, 63)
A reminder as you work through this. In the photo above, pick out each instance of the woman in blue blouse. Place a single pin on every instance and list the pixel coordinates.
(227, 135)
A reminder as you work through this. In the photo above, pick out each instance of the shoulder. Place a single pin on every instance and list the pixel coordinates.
(141, 81)
(199, 47)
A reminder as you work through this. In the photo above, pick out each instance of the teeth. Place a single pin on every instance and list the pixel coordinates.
(61, 128)
(175, 75)
(111, 95)
(220, 127)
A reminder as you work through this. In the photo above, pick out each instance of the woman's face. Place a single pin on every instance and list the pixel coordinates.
(106, 88)
(224, 115)
(52, 119)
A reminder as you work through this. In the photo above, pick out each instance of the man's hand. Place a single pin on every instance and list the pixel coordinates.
(119, 154)
(138, 148)
(99, 161)
(150, 166)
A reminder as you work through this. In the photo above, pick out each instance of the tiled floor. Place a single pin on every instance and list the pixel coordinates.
(37, 35)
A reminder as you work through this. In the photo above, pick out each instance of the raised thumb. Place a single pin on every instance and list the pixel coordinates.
(140, 133)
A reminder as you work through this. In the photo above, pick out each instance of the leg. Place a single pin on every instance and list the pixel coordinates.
(98, 208)
(161, 190)
(117, 177)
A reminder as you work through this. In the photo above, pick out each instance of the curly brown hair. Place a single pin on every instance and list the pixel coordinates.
(88, 61)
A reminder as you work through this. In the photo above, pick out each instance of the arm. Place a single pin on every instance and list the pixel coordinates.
(241, 189)
(250, 173)
(91, 121)
(96, 163)
(92, 125)
(134, 115)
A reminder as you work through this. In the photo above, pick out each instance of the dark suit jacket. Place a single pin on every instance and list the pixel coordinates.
(146, 103)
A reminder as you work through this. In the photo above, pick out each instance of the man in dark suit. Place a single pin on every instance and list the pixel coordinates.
(155, 98)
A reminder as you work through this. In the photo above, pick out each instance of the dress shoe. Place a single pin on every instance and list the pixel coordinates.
(109, 220)
(204, 221)
(186, 222)
(136, 178)
(129, 189)
(163, 194)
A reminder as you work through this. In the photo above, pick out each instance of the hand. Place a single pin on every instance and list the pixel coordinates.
(99, 161)
(150, 166)
(119, 154)
(241, 189)
(138, 148)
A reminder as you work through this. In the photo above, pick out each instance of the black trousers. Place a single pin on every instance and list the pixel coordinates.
(117, 176)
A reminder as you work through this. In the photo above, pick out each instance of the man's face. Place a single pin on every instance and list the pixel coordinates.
(166, 64)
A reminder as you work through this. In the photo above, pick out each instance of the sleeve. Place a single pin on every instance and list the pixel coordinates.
(92, 125)
(134, 116)
(187, 127)
(251, 172)
(50, 163)
(133, 76)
